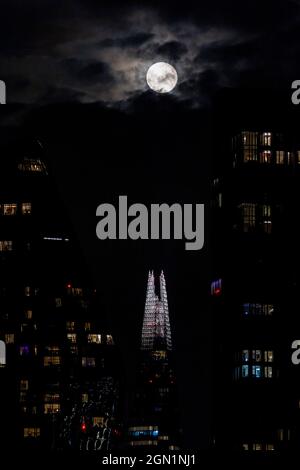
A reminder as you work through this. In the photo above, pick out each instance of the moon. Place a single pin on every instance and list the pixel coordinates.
(161, 77)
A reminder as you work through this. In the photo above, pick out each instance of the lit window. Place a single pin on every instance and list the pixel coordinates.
(9, 338)
(257, 446)
(109, 339)
(256, 355)
(24, 384)
(58, 302)
(269, 447)
(51, 397)
(92, 338)
(6, 245)
(51, 361)
(268, 372)
(27, 291)
(245, 371)
(245, 355)
(265, 156)
(76, 291)
(245, 446)
(158, 355)
(280, 160)
(70, 326)
(216, 287)
(10, 209)
(289, 158)
(269, 356)
(24, 350)
(32, 432)
(266, 218)
(32, 165)
(2, 354)
(26, 208)
(28, 314)
(284, 434)
(88, 362)
(266, 139)
(51, 408)
(256, 371)
(23, 396)
(84, 397)
(249, 143)
(248, 216)
(71, 337)
(87, 326)
(98, 421)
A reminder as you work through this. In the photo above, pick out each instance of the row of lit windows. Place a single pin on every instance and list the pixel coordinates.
(258, 447)
(146, 433)
(91, 337)
(6, 245)
(254, 138)
(258, 309)
(280, 157)
(158, 355)
(12, 209)
(32, 165)
(251, 141)
(32, 432)
(255, 216)
(143, 443)
(75, 291)
(256, 371)
(143, 428)
(257, 355)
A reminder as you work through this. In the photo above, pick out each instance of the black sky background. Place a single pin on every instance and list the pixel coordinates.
(121, 138)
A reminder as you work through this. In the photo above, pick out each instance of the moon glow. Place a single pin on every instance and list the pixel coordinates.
(161, 77)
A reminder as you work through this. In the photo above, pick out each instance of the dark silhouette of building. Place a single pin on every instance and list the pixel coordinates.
(154, 422)
(255, 285)
(58, 361)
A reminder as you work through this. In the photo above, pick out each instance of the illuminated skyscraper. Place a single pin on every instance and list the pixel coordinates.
(156, 325)
(155, 414)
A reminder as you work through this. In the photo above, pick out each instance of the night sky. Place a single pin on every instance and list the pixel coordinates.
(80, 66)
(96, 51)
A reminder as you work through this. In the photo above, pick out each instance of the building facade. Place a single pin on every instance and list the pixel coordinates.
(154, 423)
(58, 360)
(255, 195)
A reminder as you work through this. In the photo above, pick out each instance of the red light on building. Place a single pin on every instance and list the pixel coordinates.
(216, 287)
(69, 286)
(83, 427)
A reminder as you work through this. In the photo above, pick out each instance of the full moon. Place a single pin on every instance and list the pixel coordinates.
(161, 77)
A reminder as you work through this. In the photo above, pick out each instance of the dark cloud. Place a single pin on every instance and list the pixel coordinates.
(97, 72)
(172, 50)
(135, 40)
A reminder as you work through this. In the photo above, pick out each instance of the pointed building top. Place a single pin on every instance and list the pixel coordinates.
(156, 332)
